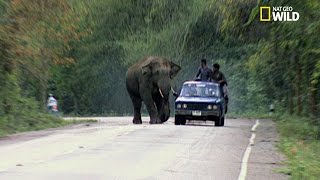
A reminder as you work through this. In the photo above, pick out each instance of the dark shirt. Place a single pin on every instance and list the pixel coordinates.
(218, 76)
(205, 74)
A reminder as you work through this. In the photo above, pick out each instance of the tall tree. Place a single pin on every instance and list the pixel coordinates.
(43, 30)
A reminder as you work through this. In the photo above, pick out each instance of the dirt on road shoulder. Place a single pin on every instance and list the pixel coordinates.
(265, 160)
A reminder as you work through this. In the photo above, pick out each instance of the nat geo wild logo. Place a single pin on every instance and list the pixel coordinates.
(278, 13)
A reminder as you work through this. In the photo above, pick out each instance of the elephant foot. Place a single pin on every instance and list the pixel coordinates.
(137, 121)
(155, 121)
(164, 118)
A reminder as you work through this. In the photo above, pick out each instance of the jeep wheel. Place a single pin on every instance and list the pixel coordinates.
(177, 120)
(183, 121)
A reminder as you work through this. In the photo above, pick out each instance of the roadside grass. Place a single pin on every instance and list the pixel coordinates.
(299, 141)
(12, 125)
(77, 121)
(248, 115)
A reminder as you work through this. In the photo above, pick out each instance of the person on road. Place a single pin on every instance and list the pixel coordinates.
(52, 104)
(204, 72)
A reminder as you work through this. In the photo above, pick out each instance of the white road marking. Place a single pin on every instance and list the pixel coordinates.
(253, 129)
(245, 159)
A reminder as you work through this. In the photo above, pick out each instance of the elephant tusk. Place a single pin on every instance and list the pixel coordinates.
(161, 93)
(172, 90)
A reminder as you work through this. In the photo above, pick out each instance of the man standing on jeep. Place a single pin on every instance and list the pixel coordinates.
(204, 72)
(219, 77)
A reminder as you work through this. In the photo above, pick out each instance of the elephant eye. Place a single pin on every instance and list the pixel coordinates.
(171, 76)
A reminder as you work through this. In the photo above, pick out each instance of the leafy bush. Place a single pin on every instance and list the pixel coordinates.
(25, 116)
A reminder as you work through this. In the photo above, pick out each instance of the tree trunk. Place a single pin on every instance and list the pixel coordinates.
(291, 105)
(298, 84)
(313, 101)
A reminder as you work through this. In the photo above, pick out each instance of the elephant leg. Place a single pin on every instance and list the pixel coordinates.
(137, 102)
(151, 107)
(153, 112)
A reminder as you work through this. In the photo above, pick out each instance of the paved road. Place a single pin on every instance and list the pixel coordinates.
(116, 149)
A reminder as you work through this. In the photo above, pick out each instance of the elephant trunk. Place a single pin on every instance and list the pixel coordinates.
(164, 89)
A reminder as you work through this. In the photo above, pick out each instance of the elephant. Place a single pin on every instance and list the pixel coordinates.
(149, 80)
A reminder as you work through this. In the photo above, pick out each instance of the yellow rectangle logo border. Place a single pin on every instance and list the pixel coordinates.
(269, 13)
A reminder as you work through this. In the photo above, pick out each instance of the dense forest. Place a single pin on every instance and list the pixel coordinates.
(79, 51)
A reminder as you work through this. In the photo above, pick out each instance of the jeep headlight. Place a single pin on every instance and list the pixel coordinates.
(179, 106)
(185, 106)
(215, 107)
(209, 107)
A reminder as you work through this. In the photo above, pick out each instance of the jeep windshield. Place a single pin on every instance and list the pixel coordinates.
(200, 90)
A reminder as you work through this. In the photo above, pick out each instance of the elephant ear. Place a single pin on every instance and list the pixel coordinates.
(147, 68)
(174, 69)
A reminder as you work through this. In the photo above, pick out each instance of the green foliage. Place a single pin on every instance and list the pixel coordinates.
(300, 142)
(23, 34)
(297, 128)
(26, 117)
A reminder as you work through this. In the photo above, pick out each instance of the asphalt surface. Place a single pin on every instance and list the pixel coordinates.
(114, 148)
